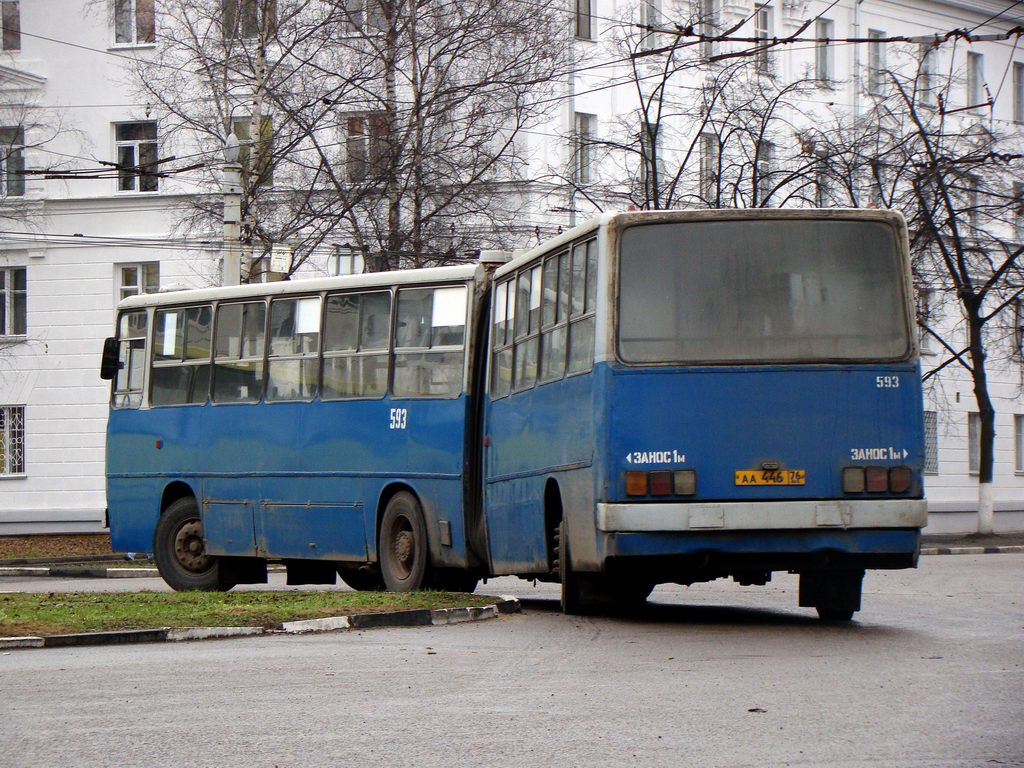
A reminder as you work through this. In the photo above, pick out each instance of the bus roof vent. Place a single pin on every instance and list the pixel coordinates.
(494, 257)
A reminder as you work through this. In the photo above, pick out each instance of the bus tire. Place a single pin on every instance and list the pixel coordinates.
(180, 550)
(362, 579)
(403, 549)
(630, 593)
(572, 586)
(834, 615)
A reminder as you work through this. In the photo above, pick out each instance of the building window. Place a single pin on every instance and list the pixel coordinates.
(972, 201)
(583, 148)
(584, 20)
(975, 80)
(135, 279)
(260, 172)
(1018, 209)
(136, 157)
(365, 144)
(926, 75)
(763, 171)
(650, 19)
(12, 440)
(1018, 328)
(1018, 442)
(708, 167)
(367, 15)
(708, 26)
(973, 442)
(1018, 91)
(10, 16)
(823, 72)
(134, 21)
(926, 312)
(931, 442)
(248, 18)
(763, 32)
(13, 301)
(345, 261)
(12, 161)
(822, 185)
(650, 161)
(876, 63)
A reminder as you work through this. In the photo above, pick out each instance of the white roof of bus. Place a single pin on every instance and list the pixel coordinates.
(628, 217)
(459, 273)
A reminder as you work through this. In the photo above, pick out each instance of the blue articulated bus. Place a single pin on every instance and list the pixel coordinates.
(651, 397)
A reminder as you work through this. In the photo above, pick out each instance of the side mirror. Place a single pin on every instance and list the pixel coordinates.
(109, 365)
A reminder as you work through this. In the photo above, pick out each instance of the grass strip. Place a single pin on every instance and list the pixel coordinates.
(69, 545)
(106, 564)
(67, 612)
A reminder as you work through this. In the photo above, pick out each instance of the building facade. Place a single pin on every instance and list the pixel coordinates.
(706, 103)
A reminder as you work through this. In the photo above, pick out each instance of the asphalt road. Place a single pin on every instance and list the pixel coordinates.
(930, 675)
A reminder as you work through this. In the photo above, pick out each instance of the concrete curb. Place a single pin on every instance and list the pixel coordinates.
(1003, 550)
(416, 618)
(64, 559)
(82, 573)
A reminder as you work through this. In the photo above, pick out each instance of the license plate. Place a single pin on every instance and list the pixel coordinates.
(771, 476)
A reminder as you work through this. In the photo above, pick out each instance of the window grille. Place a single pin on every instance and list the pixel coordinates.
(12, 440)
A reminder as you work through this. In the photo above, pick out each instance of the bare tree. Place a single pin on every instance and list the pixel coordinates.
(698, 135)
(951, 174)
(394, 127)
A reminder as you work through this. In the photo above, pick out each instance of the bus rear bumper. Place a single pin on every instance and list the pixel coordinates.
(762, 516)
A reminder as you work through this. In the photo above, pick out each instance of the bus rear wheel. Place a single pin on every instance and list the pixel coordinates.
(403, 544)
(180, 550)
(572, 601)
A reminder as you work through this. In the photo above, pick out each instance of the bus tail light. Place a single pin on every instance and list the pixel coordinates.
(876, 479)
(685, 482)
(853, 480)
(636, 483)
(661, 483)
(900, 479)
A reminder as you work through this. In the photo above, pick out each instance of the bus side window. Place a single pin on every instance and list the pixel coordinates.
(131, 346)
(528, 300)
(238, 352)
(429, 342)
(554, 319)
(181, 356)
(356, 333)
(501, 339)
(584, 304)
(292, 364)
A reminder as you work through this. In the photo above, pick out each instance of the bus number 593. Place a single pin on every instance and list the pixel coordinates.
(398, 418)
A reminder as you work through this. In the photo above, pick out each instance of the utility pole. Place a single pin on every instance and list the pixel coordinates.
(231, 189)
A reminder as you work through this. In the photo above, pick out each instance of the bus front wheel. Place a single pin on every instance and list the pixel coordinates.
(180, 550)
(403, 544)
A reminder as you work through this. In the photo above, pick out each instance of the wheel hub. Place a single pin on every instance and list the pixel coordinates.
(404, 548)
(189, 547)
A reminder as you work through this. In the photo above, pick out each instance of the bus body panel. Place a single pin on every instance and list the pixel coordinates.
(720, 421)
(547, 432)
(295, 480)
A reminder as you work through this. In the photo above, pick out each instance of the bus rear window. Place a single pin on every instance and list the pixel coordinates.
(761, 291)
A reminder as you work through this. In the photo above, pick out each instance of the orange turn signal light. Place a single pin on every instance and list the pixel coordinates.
(636, 483)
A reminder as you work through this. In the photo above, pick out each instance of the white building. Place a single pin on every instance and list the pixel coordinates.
(72, 245)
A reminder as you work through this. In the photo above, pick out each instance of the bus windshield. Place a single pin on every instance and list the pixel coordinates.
(761, 291)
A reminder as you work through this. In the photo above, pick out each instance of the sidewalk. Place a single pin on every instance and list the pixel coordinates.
(971, 544)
